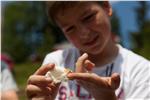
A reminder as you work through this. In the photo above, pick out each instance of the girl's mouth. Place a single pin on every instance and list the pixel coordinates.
(92, 42)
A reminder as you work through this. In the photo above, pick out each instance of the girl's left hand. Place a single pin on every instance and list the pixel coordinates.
(99, 87)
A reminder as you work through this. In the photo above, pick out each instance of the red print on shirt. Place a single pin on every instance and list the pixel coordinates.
(62, 93)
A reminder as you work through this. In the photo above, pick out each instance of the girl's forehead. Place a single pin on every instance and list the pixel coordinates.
(55, 8)
(79, 9)
(73, 13)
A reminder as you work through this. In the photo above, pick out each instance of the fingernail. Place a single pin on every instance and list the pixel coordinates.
(48, 78)
(85, 55)
(70, 76)
(50, 64)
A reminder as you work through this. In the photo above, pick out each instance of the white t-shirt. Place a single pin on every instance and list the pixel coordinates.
(7, 80)
(133, 69)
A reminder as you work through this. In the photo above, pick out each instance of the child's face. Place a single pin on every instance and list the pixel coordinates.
(87, 26)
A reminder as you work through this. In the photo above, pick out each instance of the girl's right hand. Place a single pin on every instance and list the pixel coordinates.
(40, 87)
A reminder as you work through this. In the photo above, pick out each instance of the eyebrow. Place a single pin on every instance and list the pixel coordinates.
(86, 12)
(66, 26)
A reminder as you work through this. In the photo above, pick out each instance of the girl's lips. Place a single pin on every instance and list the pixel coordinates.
(92, 42)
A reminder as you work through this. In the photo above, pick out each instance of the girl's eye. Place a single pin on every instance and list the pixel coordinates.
(89, 17)
(69, 29)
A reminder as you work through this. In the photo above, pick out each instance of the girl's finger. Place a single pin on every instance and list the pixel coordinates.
(89, 65)
(34, 91)
(44, 69)
(80, 63)
(39, 80)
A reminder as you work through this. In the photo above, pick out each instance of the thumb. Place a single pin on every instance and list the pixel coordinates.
(80, 63)
(115, 80)
(89, 65)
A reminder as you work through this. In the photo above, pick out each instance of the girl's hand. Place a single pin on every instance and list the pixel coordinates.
(40, 87)
(100, 87)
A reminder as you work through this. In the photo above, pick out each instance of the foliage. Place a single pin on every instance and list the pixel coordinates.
(115, 23)
(15, 46)
(23, 25)
(141, 39)
(22, 73)
(46, 44)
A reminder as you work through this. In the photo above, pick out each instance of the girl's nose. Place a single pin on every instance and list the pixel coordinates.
(83, 31)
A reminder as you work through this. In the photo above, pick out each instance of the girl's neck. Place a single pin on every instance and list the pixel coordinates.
(107, 56)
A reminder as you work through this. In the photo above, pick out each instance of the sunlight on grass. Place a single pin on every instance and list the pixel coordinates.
(22, 72)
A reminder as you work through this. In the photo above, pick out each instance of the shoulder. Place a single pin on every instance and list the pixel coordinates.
(135, 66)
(135, 71)
(7, 80)
(4, 69)
(60, 56)
(3, 65)
(131, 58)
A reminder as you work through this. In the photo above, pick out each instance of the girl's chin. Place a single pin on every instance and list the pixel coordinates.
(93, 52)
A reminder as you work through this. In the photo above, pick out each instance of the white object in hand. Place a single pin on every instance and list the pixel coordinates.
(58, 74)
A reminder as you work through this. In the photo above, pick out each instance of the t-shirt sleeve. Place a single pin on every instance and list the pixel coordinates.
(48, 59)
(138, 86)
(54, 57)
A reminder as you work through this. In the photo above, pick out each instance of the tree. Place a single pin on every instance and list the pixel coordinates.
(115, 24)
(141, 39)
(23, 25)
(115, 27)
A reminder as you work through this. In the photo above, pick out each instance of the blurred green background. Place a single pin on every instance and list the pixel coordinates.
(27, 36)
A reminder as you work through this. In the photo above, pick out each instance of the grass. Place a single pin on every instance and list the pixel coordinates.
(21, 73)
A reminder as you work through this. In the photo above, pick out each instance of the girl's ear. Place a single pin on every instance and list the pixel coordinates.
(107, 7)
